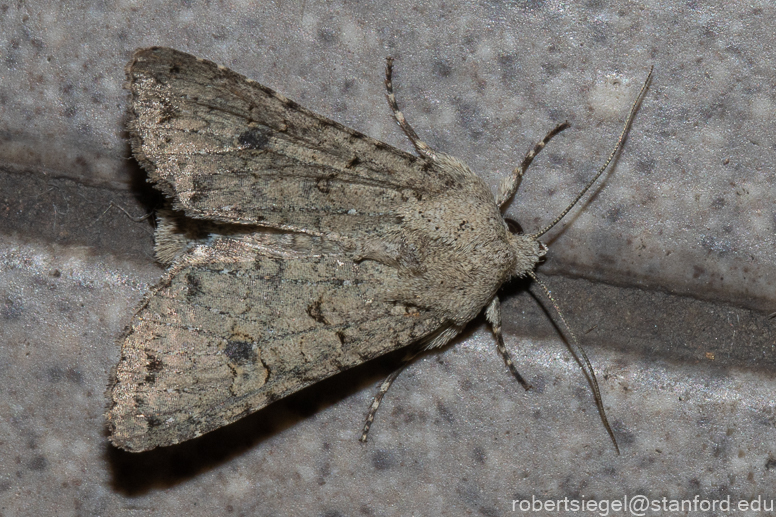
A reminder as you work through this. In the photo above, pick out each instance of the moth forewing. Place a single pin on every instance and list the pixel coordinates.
(297, 248)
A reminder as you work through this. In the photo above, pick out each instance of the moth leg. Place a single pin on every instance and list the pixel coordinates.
(422, 148)
(119, 207)
(493, 315)
(509, 184)
(382, 391)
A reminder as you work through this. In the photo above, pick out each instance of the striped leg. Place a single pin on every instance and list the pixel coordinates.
(509, 184)
(382, 391)
(493, 315)
(422, 148)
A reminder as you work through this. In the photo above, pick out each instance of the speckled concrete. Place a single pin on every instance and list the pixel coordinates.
(667, 273)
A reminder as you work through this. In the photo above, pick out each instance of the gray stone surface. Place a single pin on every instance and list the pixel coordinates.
(667, 274)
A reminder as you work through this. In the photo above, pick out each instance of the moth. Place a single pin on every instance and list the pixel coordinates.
(296, 248)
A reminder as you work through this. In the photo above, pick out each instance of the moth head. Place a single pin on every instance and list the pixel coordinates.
(528, 251)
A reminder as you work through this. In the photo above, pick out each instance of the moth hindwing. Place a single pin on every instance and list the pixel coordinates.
(297, 248)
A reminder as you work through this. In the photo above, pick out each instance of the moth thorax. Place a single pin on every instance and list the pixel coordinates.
(527, 253)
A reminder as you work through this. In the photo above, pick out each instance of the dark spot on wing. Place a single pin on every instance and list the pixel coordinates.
(167, 112)
(323, 185)
(194, 287)
(154, 421)
(240, 352)
(202, 186)
(154, 366)
(314, 311)
(254, 138)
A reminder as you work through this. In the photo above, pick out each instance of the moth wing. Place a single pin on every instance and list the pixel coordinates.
(225, 148)
(230, 328)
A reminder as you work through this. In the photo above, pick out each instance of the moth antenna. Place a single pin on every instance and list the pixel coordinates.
(581, 357)
(421, 146)
(617, 147)
(511, 183)
(370, 418)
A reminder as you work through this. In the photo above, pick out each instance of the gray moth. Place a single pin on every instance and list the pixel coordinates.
(296, 248)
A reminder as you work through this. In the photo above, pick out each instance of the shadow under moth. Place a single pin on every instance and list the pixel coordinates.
(296, 248)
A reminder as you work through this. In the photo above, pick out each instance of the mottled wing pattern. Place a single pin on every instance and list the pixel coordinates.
(230, 329)
(210, 137)
(245, 317)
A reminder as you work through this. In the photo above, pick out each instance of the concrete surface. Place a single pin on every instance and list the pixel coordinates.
(667, 273)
